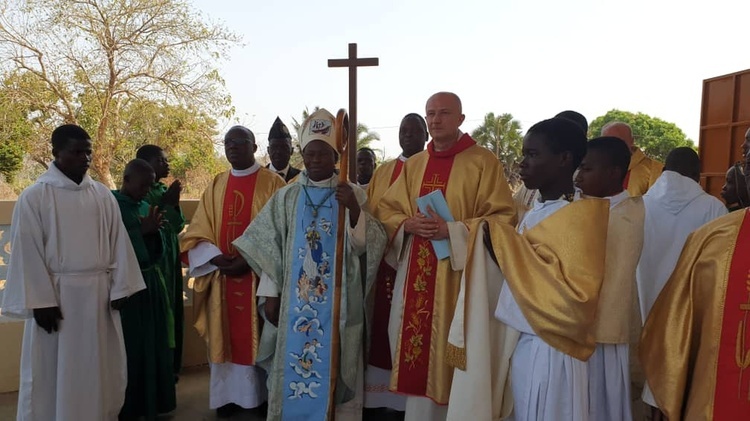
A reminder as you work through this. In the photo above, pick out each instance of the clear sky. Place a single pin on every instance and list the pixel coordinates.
(528, 58)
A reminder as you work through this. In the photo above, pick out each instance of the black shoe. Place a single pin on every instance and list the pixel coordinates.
(227, 410)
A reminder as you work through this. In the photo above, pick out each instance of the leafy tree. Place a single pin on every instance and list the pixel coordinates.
(93, 57)
(502, 135)
(653, 135)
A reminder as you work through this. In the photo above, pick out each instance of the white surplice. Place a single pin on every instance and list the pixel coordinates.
(675, 207)
(70, 249)
(546, 383)
(243, 385)
(609, 371)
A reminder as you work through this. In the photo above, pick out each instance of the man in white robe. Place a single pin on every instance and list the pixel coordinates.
(602, 174)
(549, 373)
(71, 267)
(676, 205)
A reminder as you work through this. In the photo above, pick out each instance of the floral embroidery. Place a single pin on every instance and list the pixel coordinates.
(419, 314)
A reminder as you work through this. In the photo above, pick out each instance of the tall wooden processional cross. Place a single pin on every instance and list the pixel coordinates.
(353, 62)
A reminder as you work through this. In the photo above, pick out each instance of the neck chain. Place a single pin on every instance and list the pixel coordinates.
(314, 206)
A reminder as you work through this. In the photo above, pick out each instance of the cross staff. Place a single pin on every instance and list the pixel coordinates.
(352, 62)
(342, 144)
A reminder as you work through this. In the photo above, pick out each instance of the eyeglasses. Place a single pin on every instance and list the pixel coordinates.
(237, 141)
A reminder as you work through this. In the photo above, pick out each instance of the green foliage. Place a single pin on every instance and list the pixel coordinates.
(653, 135)
(95, 62)
(502, 135)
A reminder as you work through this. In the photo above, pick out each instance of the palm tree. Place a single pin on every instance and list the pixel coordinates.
(502, 135)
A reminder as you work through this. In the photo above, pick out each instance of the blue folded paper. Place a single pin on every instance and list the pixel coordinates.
(437, 202)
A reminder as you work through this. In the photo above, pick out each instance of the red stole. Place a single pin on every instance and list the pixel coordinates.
(396, 171)
(732, 394)
(626, 181)
(380, 350)
(419, 286)
(239, 292)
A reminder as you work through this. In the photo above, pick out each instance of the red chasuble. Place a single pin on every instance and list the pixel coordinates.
(380, 350)
(419, 286)
(240, 291)
(732, 395)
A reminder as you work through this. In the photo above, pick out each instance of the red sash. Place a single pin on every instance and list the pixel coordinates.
(419, 287)
(732, 395)
(239, 292)
(396, 171)
(380, 350)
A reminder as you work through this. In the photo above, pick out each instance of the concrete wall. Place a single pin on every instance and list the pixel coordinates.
(11, 331)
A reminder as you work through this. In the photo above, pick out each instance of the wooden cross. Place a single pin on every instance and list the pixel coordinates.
(352, 62)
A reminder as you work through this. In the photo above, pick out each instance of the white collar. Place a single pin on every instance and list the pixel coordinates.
(402, 158)
(284, 171)
(331, 182)
(540, 202)
(618, 198)
(247, 171)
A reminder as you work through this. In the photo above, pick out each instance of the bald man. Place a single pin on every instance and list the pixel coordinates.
(224, 290)
(643, 170)
(426, 288)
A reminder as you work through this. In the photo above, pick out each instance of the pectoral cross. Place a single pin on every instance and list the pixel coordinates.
(352, 62)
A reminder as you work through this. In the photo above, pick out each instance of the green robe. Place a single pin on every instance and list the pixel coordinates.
(145, 323)
(274, 230)
(171, 267)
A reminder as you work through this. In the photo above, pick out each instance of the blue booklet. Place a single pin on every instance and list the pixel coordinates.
(437, 202)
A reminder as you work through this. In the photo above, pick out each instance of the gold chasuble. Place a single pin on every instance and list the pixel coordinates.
(618, 311)
(383, 177)
(380, 355)
(642, 173)
(225, 310)
(472, 181)
(695, 348)
(555, 271)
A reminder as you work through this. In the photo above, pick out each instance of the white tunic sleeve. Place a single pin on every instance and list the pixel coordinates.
(357, 235)
(267, 287)
(28, 284)
(200, 259)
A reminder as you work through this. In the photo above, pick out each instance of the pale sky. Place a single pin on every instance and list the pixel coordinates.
(528, 58)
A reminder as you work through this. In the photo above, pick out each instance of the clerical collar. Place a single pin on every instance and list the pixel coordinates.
(618, 198)
(568, 197)
(328, 183)
(247, 171)
(283, 172)
(402, 158)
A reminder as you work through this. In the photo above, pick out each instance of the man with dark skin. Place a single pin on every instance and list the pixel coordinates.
(71, 261)
(734, 190)
(299, 230)
(168, 201)
(614, 378)
(280, 151)
(366, 162)
(225, 302)
(146, 316)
